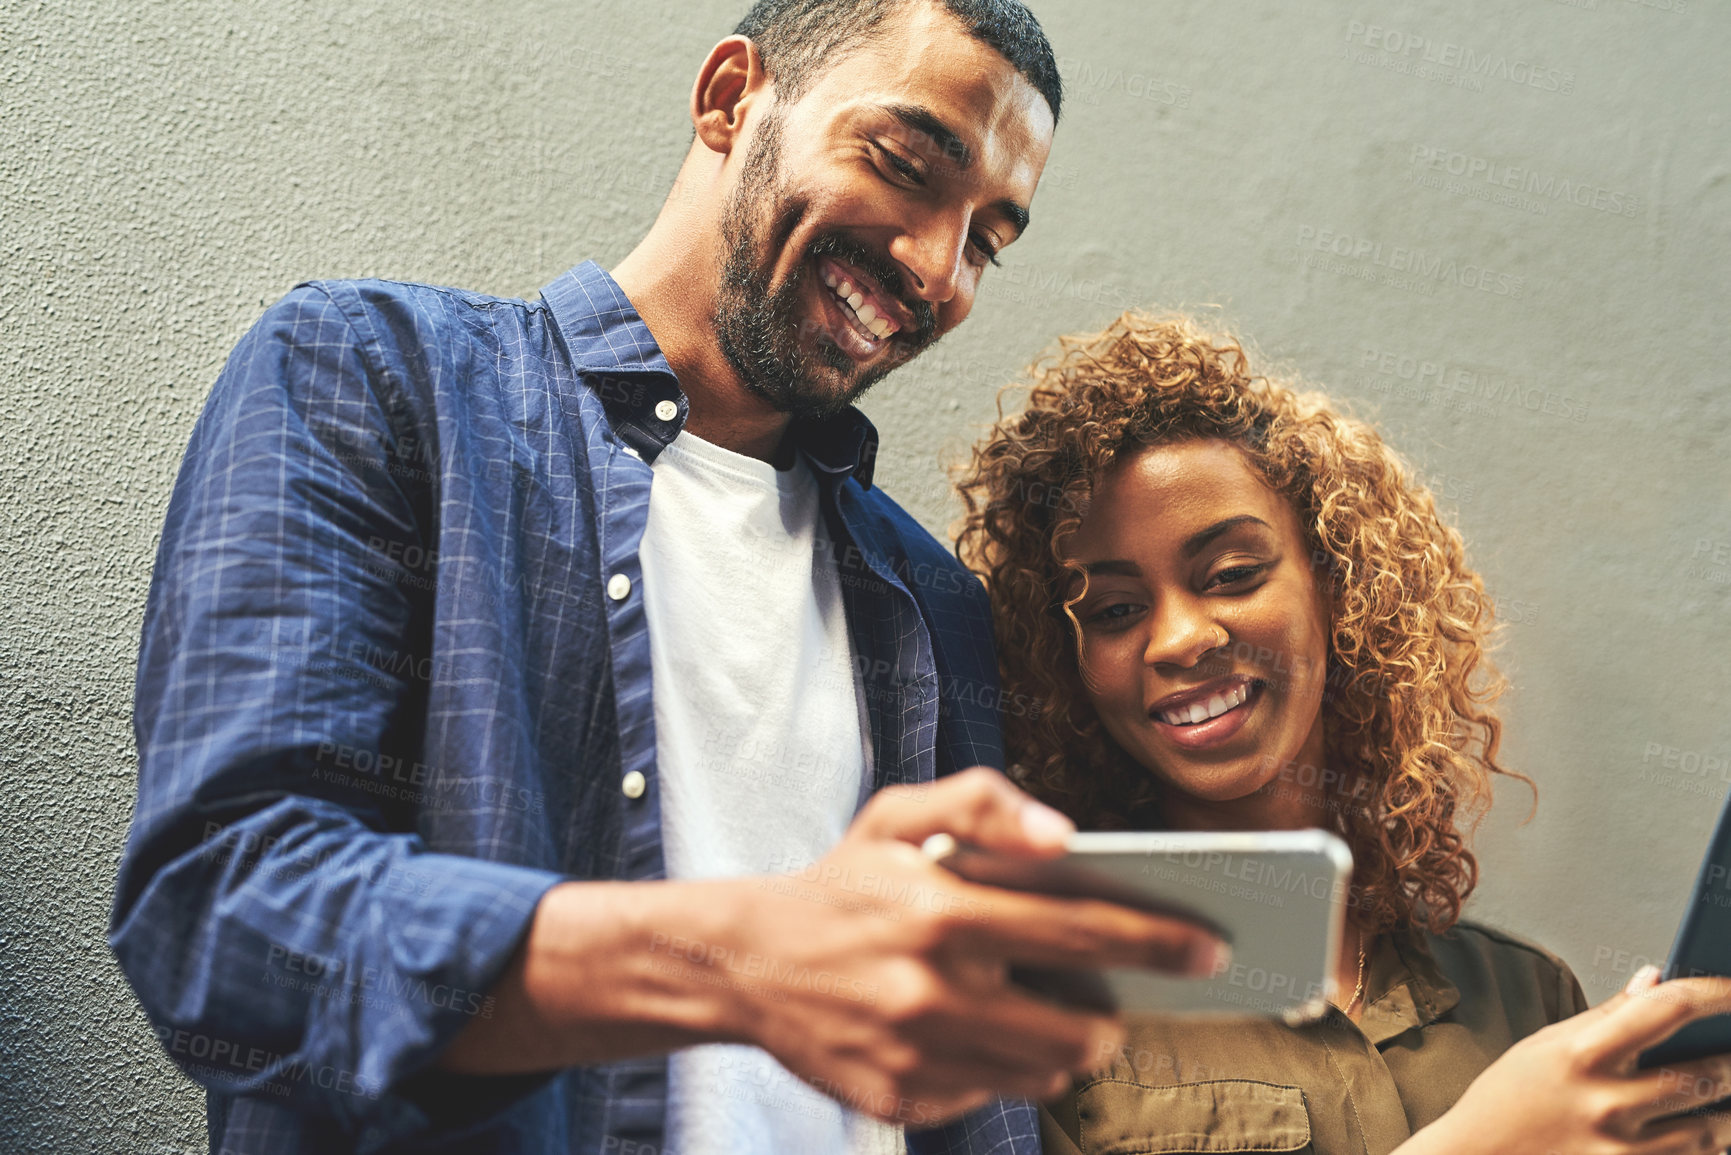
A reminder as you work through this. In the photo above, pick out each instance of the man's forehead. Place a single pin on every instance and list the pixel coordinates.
(925, 59)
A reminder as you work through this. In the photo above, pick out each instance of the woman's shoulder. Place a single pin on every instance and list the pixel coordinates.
(1492, 941)
(1476, 957)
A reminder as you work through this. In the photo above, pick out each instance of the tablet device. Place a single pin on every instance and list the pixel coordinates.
(1702, 947)
(1278, 897)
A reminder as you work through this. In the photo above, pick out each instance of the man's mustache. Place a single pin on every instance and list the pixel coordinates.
(884, 271)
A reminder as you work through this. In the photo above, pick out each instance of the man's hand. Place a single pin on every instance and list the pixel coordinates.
(875, 974)
(884, 978)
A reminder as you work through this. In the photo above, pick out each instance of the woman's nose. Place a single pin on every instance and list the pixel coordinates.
(1181, 634)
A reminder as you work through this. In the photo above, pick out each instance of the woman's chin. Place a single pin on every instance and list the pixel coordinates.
(1251, 786)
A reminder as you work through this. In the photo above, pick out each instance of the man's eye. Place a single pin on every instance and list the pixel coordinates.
(984, 248)
(907, 169)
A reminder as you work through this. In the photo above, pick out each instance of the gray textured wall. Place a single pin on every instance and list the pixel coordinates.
(166, 169)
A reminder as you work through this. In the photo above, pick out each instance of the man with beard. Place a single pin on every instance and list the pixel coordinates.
(513, 673)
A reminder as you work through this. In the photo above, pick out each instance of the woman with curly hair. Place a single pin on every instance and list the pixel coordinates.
(1239, 611)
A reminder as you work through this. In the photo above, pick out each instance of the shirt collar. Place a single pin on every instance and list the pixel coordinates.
(1403, 987)
(600, 324)
(610, 343)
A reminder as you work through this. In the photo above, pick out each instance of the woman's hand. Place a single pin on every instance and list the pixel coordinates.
(1573, 1088)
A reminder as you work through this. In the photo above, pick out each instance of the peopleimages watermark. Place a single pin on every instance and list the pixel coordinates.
(1482, 178)
(331, 979)
(1276, 879)
(1339, 790)
(832, 884)
(1710, 561)
(1484, 392)
(1675, 7)
(408, 779)
(219, 1060)
(754, 1078)
(739, 755)
(1686, 771)
(778, 975)
(1026, 284)
(1622, 962)
(1088, 82)
(1421, 266)
(1445, 61)
(1448, 487)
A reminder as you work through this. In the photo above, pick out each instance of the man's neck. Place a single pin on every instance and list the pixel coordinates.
(673, 290)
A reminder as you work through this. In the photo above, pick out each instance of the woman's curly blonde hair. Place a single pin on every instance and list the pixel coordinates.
(1407, 715)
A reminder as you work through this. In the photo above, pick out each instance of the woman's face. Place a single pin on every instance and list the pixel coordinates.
(1204, 633)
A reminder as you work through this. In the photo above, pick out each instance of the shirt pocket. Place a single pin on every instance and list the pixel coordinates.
(1120, 1117)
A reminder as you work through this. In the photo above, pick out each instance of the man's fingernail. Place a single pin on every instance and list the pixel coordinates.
(1209, 958)
(1043, 824)
(939, 846)
(1108, 1043)
(1641, 978)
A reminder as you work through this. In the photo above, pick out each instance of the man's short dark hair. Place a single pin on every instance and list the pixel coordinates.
(798, 40)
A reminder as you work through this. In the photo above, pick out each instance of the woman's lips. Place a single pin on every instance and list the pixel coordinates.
(1213, 731)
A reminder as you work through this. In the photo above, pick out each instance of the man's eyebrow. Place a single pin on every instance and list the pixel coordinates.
(1199, 540)
(924, 121)
(1017, 215)
(927, 123)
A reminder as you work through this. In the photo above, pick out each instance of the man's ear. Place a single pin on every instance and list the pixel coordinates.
(731, 79)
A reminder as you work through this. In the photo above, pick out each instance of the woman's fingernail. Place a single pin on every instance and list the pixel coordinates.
(1042, 824)
(1641, 979)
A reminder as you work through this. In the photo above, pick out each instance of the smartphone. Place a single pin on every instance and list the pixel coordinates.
(1702, 947)
(1278, 897)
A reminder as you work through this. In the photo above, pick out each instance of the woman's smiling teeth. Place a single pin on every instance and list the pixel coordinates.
(1201, 711)
(854, 304)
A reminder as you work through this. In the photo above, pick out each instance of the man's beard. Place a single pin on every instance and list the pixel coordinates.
(759, 330)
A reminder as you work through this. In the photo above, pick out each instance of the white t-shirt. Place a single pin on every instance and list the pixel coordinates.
(761, 743)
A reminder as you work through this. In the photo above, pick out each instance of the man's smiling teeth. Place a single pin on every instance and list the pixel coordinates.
(1202, 711)
(854, 303)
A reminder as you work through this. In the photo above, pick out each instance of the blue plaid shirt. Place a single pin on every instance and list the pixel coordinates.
(394, 684)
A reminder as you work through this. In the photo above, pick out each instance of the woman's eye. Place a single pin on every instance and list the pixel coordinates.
(1115, 614)
(1233, 575)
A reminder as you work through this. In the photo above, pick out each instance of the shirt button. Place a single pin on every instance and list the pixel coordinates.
(618, 587)
(666, 410)
(633, 784)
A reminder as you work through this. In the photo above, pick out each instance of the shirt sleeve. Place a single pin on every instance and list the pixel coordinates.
(287, 932)
(1001, 1127)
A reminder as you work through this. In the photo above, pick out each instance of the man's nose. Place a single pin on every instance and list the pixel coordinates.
(933, 255)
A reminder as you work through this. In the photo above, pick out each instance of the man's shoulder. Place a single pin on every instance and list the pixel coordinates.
(367, 301)
(406, 337)
(416, 350)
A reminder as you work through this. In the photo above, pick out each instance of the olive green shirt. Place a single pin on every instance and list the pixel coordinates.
(1438, 1010)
